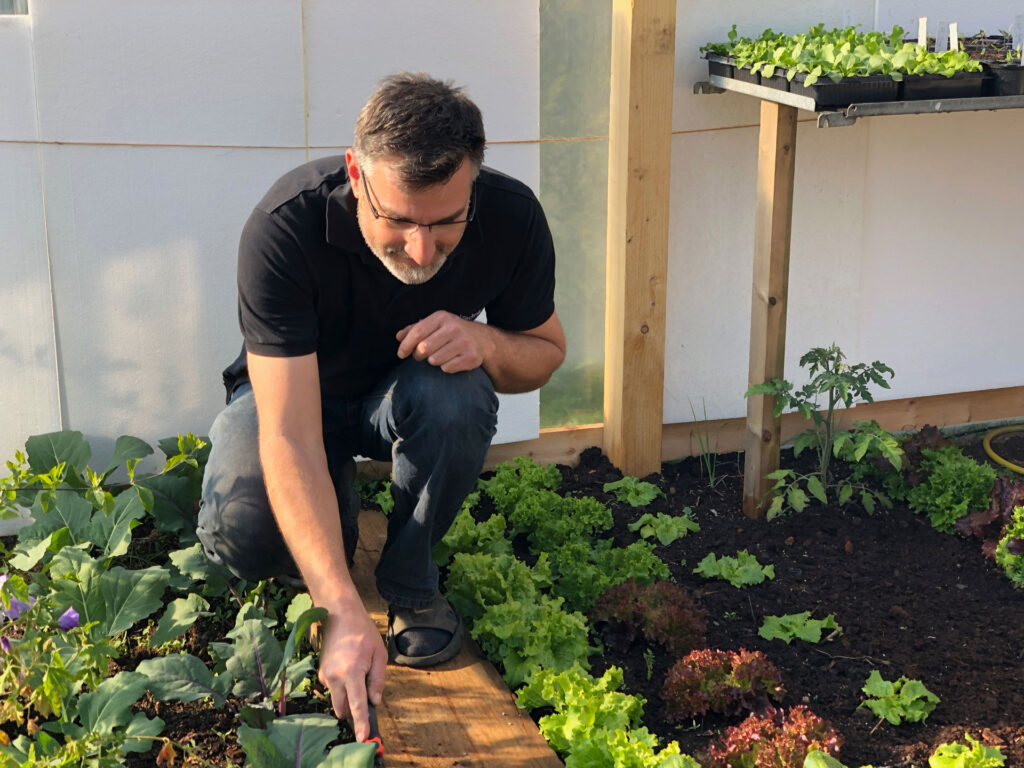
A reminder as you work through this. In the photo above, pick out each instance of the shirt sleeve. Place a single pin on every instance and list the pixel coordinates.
(528, 300)
(276, 290)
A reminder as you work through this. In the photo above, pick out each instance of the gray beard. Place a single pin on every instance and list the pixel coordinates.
(410, 274)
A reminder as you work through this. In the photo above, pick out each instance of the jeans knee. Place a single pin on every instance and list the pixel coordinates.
(461, 405)
(242, 535)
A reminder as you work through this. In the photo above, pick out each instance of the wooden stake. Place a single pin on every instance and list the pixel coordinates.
(772, 227)
(639, 165)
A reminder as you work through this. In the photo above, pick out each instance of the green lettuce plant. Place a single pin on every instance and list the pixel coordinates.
(953, 486)
(1009, 551)
(633, 491)
(956, 755)
(665, 528)
(900, 700)
(796, 625)
(593, 724)
(741, 571)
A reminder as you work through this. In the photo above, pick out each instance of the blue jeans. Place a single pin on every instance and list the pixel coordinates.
(434, 427)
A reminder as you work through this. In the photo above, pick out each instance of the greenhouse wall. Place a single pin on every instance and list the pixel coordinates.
(905, 237)
(135, 138)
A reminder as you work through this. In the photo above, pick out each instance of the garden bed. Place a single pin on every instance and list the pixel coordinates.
(911, 601)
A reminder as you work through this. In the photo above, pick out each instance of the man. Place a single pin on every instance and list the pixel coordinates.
(359, 278)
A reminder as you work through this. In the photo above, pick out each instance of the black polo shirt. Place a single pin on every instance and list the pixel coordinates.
(307, 281)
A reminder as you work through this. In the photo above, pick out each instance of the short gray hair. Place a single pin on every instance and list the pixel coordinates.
(429, 125)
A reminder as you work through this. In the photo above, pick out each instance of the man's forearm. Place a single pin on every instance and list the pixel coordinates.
(518, 362)
(306, 509)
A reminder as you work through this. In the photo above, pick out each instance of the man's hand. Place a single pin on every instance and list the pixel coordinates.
(352, 666)
(446, 341)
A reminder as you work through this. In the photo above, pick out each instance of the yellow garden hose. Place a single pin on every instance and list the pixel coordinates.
(987, 442)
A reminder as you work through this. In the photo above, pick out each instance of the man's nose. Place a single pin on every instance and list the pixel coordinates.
(420, 246)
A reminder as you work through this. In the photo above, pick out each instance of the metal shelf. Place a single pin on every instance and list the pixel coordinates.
(829, 117)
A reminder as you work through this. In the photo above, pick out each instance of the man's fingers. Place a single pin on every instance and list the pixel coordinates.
(360, 711)
(375, 680)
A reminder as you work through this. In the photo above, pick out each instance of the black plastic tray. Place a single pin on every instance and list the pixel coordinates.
(962, 85)
(1005, 80)
(719, 64)
(778, 80)
(850, 90)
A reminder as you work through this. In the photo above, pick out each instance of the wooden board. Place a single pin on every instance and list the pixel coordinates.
(639, 166)
(563, 445)
(459, 713)
(773, 221)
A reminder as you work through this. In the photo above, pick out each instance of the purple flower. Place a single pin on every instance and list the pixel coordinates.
(5, 644)
(17, 608)
(68, 620)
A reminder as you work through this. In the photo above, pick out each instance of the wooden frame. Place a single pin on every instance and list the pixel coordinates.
(639, 171)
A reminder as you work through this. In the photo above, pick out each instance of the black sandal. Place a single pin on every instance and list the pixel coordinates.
(438, 615)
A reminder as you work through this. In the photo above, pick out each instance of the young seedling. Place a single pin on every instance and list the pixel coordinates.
(740, 571)
(903, 699)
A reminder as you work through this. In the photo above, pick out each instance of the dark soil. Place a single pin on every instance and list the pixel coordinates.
(911, 601)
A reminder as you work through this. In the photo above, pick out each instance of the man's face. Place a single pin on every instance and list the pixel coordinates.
(413, 254)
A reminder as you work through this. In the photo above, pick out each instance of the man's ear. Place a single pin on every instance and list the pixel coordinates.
(353, 170)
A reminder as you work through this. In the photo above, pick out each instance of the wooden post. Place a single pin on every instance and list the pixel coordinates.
(773, 221)
(639, 167)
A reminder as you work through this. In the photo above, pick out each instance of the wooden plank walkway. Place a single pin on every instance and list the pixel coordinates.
(459, 713)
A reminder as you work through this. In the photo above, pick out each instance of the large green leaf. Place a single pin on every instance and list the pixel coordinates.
(76, 578)
(257, 653)
(126, 448)
(110, 705)
(69, 510)
(352, 755)
(130, 596)
(299, 629)
(113, 532)
(179, 616)
(173, 505)
(183, 677)
(260, 751)
(303, 738)
(140, 733)
(194, 563)
(47, 451)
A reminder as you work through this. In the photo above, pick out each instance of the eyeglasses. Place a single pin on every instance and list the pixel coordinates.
(405, 225)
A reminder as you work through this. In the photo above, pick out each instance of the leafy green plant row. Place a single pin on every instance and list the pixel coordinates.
(75, 591)
(839, 53)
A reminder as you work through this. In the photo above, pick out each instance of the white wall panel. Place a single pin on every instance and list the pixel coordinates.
(29, 402)
(195, 72)
(490, 47)
(144, 244)
(971, 17)
(698, 23)
(942, 267)
(711, 243)
(17, 95)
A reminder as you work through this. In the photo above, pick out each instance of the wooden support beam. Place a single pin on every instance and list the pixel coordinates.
(773, 221)
(639, 167)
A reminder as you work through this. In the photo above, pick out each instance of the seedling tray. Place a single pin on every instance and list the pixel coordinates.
(720, 65)
(850, 90)
(778, 80)
(1005, 80)
(962, 85)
